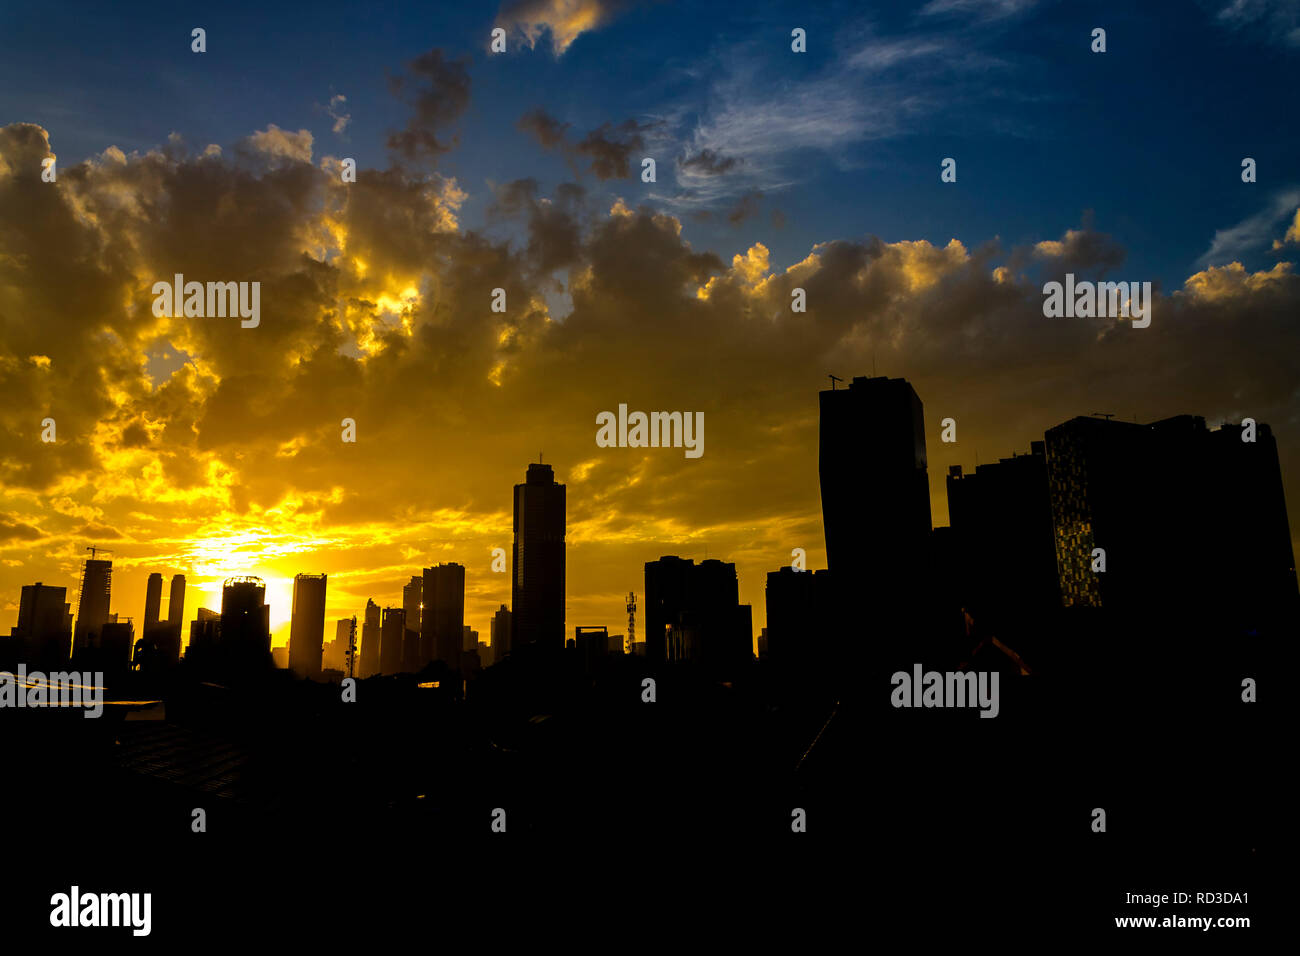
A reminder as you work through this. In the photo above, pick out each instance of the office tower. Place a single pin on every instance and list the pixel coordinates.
(1004, 546)
(175, 619)
(371, 632)
(537, 583)
(485, 654)
(875, 498)
(205, 634)
(280, 657)
(592, 644)
(245, 625)
(44, 628)
(412, 597)
(336, 651)
(116, 642)
(392, 636)
(500, 634)
(152, 601)
(800, 619)
(470, 638)
(92, 606)
(307, 625)
(176, 601)
(762, 642)
(693, 613)
(443, 617)
(1164, 502)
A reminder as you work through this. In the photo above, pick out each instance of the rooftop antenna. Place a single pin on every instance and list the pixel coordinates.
(631, 620)
(834, 379)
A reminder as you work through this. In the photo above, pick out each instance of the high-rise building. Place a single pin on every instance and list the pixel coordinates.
(205, 634)
(443, 617)
(44, 628)
(412, 597)
(245, 625)
(500, 632)
(175, 619)
(693, 612)
(152, 601)
(470, 640)
(538, 571)
(1146, 498)
(392, 637)
(92, 606)
(800, 619)
(371, 633)
(176, 601)
(1005, 549)
(307, 625)
(875, 499)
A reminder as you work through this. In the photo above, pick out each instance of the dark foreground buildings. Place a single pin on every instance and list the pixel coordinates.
(693, 613)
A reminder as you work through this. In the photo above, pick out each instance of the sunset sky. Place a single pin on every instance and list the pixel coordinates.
(193, 445)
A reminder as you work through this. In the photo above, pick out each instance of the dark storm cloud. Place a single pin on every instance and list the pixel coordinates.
(606, 152)
(437, 89)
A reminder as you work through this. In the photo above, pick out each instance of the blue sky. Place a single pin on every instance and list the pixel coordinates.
(844, 141)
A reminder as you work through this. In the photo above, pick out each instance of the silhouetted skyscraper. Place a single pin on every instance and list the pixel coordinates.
(412, 597)
(152, 601)
(371, 632)
(443, 617)
(392, 637)
(538, 572)
(176, 602)
(1159, 500)
(1001, 520)
(92, 607)
(500, 634)
(875, 490)
(307, 625)
(800, 620)
(693, 612)
(44, 628)
(245, 625)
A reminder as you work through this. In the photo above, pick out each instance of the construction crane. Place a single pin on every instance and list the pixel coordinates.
(631, 620)
(95, 551)
(1106, 415)
(834, 379)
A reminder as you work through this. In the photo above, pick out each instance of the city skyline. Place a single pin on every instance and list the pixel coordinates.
(904, 422)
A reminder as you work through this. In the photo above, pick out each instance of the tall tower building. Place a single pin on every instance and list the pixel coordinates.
(245, 624)
(875, 504)
(152, 601)
(92, 607)
(176, 602)
(501, 633)
(392, 635)
(412, 597)
(538, 573)
(371, 631)
(307, 625)
(44, 628)
(443, 617)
